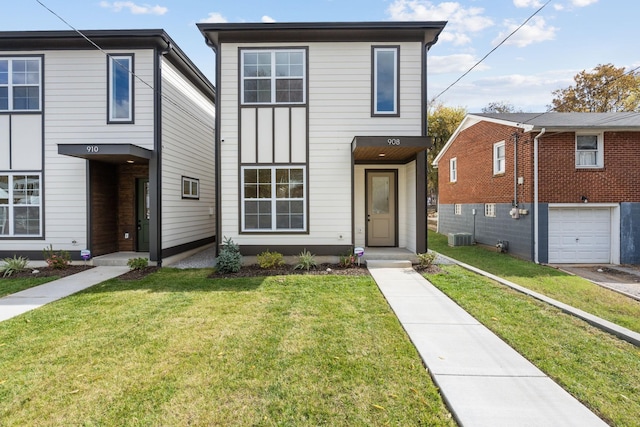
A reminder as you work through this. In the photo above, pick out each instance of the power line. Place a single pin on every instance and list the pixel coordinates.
(167, 98)
(492, 50)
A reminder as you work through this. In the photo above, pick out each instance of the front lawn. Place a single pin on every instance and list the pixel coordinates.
(178, 348)
(597, 368)
(572, 290)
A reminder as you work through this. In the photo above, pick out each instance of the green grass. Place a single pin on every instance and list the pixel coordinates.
(597, 368)
(178, 348)
(11, 286)
(572, 290)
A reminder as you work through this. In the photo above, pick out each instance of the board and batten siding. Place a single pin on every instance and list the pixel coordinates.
(188, 149)
(75, 112)
(339, 108)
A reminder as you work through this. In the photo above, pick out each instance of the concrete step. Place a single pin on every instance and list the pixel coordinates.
(387, 263)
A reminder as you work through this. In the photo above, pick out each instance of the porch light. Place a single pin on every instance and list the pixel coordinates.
(381, 155)
(130, 161)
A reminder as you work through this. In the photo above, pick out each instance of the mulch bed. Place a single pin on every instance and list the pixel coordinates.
(138, 274)
(322, 269)
(49, 272)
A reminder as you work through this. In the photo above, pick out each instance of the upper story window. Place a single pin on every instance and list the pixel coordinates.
(120, 89)
(20, 84)
(190, 188)
(498, 158)
(453, 169)
(273, 76)
(589, 151)
(386, 68)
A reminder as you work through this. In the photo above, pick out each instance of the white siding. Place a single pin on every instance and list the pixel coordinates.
(26, 135)
(339, 99)
(249, 135)
(4, 142)
(188, 144)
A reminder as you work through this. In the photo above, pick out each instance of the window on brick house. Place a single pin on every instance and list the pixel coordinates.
(457, 209)
(589, 151)
(490, 210)
(498, 158)
(453, 169)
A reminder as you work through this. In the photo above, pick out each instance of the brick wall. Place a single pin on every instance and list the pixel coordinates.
(618, 181)
(476, 182)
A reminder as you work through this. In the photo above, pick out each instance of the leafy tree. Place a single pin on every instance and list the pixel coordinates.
(500, 107)
(606, 89)
(443, 121)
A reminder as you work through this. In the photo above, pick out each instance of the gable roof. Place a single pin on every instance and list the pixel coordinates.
(426, 32)
(555, 122)
(109, 39)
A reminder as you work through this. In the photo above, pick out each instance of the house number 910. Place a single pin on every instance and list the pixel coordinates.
(92, 148)
(393, 141)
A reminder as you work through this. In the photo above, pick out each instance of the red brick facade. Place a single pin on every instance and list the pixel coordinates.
(559, 179)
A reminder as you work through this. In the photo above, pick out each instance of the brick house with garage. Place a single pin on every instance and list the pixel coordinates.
(552, 187)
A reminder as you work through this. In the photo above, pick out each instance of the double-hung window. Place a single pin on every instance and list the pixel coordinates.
(453, 169)
(20, 84)
(273, 76)
(385, 85)
(273, 198)
(190, 188)
(20, 205)
(498, 158)
(589, 151)
(120, 89)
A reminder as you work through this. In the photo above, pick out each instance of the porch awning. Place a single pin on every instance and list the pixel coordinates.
(401, 149)
(110, 153)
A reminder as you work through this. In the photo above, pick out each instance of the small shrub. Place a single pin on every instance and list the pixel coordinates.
(13, 265)
(58, 260)
(306, 260)
(138, 263)
(229, 260)
(348, 260)
(268, 260)
(426, 259)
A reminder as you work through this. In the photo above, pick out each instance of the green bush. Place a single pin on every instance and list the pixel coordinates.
(306, 260)
(426, 259)
(269, 260)
(138, 263)
(58, 260)
(13, 265)
(229, 260)
(348, 260)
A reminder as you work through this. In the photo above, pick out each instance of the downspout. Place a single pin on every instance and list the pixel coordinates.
(515, 170)
(536, 223)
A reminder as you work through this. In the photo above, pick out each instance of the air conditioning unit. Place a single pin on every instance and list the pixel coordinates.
(460, 239)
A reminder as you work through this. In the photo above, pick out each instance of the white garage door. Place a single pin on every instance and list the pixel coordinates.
(579, 235)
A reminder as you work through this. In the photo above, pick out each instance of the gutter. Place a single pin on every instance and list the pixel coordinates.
(536, 222)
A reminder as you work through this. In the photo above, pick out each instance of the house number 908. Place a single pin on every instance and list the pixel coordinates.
(393, 141)
(92, 148)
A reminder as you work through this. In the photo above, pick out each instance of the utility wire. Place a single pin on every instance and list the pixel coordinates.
(491, 51)
(167, 98)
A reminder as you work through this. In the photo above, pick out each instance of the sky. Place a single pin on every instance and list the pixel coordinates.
(564, 38)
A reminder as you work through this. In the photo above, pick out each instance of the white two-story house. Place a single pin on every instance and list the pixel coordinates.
(321, 134)
(106, 144)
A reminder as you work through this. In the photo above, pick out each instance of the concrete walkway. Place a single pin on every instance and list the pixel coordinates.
(29, 299)
(483, 380)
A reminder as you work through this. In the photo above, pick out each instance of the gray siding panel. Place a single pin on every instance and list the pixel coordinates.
(630, 233)
(543, 232)
(489, 230)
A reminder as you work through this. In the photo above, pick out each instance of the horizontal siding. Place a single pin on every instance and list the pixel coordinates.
(188, 120)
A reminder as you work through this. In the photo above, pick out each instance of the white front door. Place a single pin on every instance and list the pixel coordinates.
(381, 208)
(579, 235)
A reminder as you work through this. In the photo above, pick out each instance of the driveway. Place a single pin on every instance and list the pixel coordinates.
(623, 279)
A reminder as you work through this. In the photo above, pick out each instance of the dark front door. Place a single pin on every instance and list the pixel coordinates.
(142, 214)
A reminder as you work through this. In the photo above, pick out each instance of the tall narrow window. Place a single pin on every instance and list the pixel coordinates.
(453, 169)
(20, 84)
(498, 158)
(273, 199)
(386, 67)
(273, 76)
(121, 88)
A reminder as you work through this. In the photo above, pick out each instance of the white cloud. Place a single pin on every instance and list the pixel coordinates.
(457, 63)
(527, 3)
(461, 20)
(534, 31)
(267, 18)
(145, 9)
(583, 3)
(214, 18)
